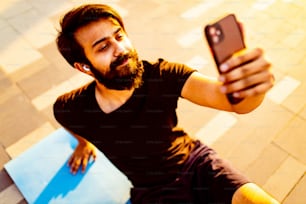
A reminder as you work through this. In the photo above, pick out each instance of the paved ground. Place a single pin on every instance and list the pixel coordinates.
(268, 145)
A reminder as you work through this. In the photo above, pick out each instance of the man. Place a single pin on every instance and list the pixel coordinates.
(128, 112)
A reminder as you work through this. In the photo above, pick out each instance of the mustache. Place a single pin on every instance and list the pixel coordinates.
(120, 59)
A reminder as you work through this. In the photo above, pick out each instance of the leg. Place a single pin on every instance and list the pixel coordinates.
(250, 193)
(214, 180)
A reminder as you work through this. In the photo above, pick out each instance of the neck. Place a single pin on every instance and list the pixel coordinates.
(109, 99)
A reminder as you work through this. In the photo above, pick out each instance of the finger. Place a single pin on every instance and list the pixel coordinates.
(75, 165)
(84, 164)
(247, 82)
(256, 90)
(71, 160)
(248, 69)
(236, 61)
(94, 155)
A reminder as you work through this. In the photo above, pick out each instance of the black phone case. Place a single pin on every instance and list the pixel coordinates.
(225, 38)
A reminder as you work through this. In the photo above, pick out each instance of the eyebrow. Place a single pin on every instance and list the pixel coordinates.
(105, 38)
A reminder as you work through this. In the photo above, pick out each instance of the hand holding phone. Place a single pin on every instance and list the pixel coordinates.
(225, 38)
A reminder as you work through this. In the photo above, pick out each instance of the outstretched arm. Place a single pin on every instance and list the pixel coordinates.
(247, 76)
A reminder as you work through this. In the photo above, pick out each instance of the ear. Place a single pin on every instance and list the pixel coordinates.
(78, 66)
(83, 68)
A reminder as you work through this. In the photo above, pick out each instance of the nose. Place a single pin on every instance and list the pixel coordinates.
(119, 49)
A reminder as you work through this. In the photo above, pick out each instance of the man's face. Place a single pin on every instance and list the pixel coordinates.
(113, 59)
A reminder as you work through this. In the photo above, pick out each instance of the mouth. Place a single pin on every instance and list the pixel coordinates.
(121, 61)
(124, 62)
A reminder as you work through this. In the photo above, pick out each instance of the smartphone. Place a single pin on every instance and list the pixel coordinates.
(225, 38)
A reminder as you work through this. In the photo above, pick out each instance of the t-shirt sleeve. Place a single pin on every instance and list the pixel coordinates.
(71, 108)
(67, 109)
(175, 75)
(62, 112)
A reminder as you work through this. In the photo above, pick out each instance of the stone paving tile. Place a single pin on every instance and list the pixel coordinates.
(265, 165)
(28, 140)
(303, 113)
(28, 70)
(9, 90)
(276, 55)
(293, 140)
(296, 101)
(36, 30)
(297, 196)
(231, 141)
(214, 129)
(298, 70)
(283, 89)
(282, 57)
(12, 44)
(4, 157)
(293, 61)
(289, 174)
(155, 47)
(48, 113)
(5, 82)
(293, 41)
(11, 195)
(47, 77)
(47, 98)
(13, 7)
(5, 179)
(187, 114)
(3, 23)
(51, 54)
(17, 116)
(255, 131)
(22, 202)
(49, 8)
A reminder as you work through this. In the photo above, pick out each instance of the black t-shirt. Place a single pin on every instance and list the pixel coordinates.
(141, 137)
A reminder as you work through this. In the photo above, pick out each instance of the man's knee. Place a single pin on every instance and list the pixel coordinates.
(250, 193)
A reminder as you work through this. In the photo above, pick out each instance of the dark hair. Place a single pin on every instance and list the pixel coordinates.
(81, 16)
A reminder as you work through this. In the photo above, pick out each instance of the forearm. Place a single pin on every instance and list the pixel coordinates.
(248, 104)
(81, 140)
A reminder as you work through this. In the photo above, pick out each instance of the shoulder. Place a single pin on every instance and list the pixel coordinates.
(75, 97)
(166, 77)
(165, 68)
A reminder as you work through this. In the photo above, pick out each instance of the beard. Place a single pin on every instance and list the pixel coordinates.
(122, 77)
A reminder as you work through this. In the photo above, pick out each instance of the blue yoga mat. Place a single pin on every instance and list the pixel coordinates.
(42, 175)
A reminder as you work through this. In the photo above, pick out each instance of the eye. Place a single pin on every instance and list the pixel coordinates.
(120, 36)
(103, 47)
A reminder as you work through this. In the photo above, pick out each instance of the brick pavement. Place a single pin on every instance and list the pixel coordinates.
(268, 145)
